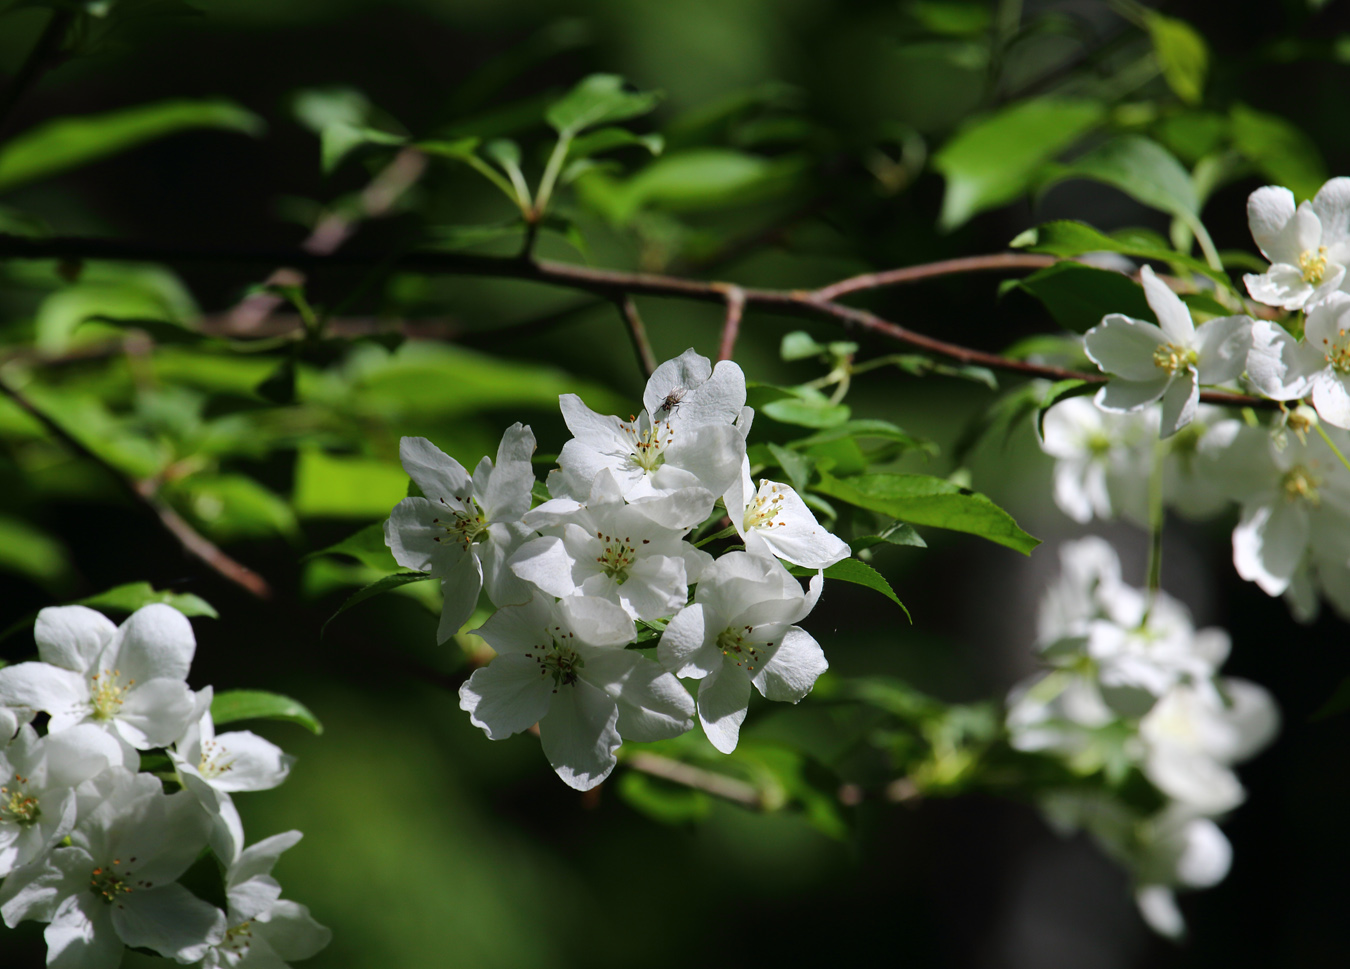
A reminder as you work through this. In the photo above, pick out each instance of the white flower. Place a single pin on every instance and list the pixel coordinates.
(1286, 369)
(129, 679)
(1196, 730)
(563, 665)
(116, 882)
(1167, 362)
(1058, 711)
(264, 930)
(464, 529)
(213, 767)
(689, 435)
(1308, 246)
(38, 777)
(1101, 459)
(612, 550)
(1089, 587)
(775, 521)
(1176, 849)
(739, 630)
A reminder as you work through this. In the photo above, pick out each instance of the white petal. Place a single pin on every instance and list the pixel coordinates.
(35, 891)
(723, 700)
(596, 622)
(686, 645)
(155, 714)
(253, 897)
(579, 735)
(507, 496)
(81, 936)
(793, 533)
(254, 764)
(1326, 322)
(226, 834)
(155, 642)
(547, 563)
(1332, 205)
(1193, 779)
(434, 471)
(261, 858)
(170, 920)
(712, 453)
(1281, 285)
(62, 693)
(1253, 716)
(1279, 366)
(519, 629)
(1222, 345)
(678, 376)
(502, 585)
(510, 694)
(1179, 402)
(652, 703)
(292, 932)
(793, 669)
(1173, 315)
(1331, 397)
(418, 541)
(1158, 906)
(72, 636)
(1268, 544)
(459, 596)
(1123, 396)
(1125, 346)
(1269, 210)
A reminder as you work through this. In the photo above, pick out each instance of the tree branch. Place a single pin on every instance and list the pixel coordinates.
(637, 333)
(912, 274)
(732, 327)
(144, 494)
(710, 782)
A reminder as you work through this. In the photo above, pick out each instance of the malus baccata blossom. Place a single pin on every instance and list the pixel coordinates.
(738, 631)
(127, 679)
(563, 665)
(465, 529)
(1283, 368)
(1308, 246)
(773, 520)
(1149, 362)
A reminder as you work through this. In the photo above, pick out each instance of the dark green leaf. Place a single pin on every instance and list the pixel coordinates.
(859, 573)
(69, 142)
(1142, 169)
(366, 546)
(1182, 54)
(598, 99)
(339, 140)
(1067, 238)
(925, 500)
(1078, 296)
(607, 139)
(1061, 390)
(376, 588)
(1282, 151)
(796, 466)
(806, 412)
(230, 706)
(663, 801)
(134, 595)
(896, 533)
(865, 428)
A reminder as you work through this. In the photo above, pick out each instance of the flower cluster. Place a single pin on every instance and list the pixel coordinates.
(1133, 687)
(1290, 479)
(92, 843)
(575, 578)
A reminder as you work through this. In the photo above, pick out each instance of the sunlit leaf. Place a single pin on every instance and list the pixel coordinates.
(1182, 54)
(598, 99)
(857, 572)
(335, 486)
(230, 706)
(132, 596)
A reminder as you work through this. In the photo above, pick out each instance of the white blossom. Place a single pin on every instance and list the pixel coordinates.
(1101, 459)
(738, 631)
(465, 528)
(1166, 362)
(128, 679)
(563, 666)
(264, 931)
(1286, 369)
(774, 520)
(1308, 246)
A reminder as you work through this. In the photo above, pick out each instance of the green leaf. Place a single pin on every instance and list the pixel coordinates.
(1182, 54)
(230, 506)
(1061, 390)
(29, 551)
(1068, 238)
(1280, 150)
(66, 143)
(865, 428)
(377, 587)
(598, 99)
(925, 500)
(607, 139)
(796, 466)
(663, 801)
(333, 486)
(134, 595)
(1078, 296)
(1142, 169)
(230, 706)
(800, 345)
(366, 546)
(859, 573)
(337, 141)
(998, 157)
(806, 412)
(896, 533)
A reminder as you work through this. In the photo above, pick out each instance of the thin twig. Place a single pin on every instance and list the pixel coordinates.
(710, 782)
(910, 274)
(144, 493)
(638, 333)
(40, 58)
(732, 327)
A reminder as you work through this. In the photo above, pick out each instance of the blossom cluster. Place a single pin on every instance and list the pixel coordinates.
(1290, 478)
(91, 841)
(606, 564)
(1133, 686)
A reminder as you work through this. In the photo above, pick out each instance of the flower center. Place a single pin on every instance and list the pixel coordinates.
(1337, 354)
(17, 805)
(764, 509)
(238, 938)
(1173, 357)
(559, 659)
(734, 647)
(617, 558)
(1099, 444)
(215, 760)
(649, 444)
(1300, 483)
(112, 882)
(464, 525)
(1313, 264)
(107, 693)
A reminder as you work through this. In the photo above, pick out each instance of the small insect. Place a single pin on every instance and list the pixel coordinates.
(672, 400)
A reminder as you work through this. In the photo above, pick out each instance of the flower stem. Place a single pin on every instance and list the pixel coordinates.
(1156, 517)
(1332, 444)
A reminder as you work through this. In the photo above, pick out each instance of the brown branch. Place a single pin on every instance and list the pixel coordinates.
(616, 286)
(912, 274)
(637, 332)
(710, 782)
(732, 327)
(144, 494)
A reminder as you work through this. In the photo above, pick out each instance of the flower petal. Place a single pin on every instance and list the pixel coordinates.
(170, 920)
(261, 858)
(679, 375)
(1173, 315)
(292, 932)
(1268, 544)
(155, 642)
(1331, 397)
(723, 700)
(155, 713)
(1281, 285)
(418, 541)
(72, 636)
(81, 935)
(1179, 402)
(62, 693)
(510, 694)
(1332, 205)
(434, 471)
(1222, 345)
(1279, 366)
(507, 495)
(793, 669)
(1124, 347)
(1269, 210)
(459, 596)
(1121, 396)
(686, 645)
(579, 735)
(652, 703)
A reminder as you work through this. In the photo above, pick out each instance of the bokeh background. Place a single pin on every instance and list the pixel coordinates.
(427, 845)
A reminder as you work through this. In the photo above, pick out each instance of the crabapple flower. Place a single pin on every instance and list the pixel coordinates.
(128, 679)
(1058, 711)
(465, 528)
(116, 882)
(1286, 369)
(1176, 849)
(1308, 246)
(690, 434)
(211, 767)
(38, 778)
(775, 521)
(1168, 362)
(613, 550)
(1098, 455)
(738, 631)
(264, 930)
(563, 665)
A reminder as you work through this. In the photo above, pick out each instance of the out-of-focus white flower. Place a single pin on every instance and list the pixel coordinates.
(1308, 246)
(1101, 459)
(1286, 369)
